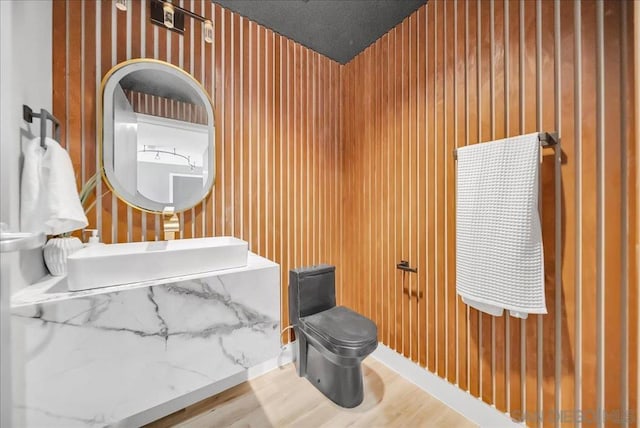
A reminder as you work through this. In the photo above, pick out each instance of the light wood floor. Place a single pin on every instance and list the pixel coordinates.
(281, 399)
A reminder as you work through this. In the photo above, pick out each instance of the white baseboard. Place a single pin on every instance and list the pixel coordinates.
(461, 401)
(162, 410)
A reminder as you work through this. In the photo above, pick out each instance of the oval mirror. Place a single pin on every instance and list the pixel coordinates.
(157, 136)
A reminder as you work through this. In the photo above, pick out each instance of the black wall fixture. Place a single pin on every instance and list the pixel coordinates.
(171, 16)
(157, 16)
(338, 29)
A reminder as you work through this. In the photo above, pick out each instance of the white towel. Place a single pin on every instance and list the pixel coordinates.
(499, 254)
(49, 200)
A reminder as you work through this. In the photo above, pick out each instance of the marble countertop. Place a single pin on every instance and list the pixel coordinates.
(54, 288)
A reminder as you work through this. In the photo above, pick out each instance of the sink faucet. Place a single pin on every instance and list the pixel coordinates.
(170, 222)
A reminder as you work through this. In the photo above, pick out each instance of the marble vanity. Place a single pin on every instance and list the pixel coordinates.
(105, 356)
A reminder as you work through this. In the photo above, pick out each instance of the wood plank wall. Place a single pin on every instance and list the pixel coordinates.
(461, 72)
(168, 108)
(277, 110)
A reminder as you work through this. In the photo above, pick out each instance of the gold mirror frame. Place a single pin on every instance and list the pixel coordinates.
(209, 104)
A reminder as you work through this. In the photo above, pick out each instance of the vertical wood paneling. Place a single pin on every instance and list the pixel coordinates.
(632, 73)
(485, 125)
(266, 174)
(529, 118)
(405, 185)
(207, 209)
(105, 226)
(396, 325)
(569, 283)
(472, 87)
(589, 203)
(439, 158)
(545, 75)
(448, 206)
(498, 131)
(615, 254)
(460, 137)
(91, 77)
(488, 70)
(421, 154)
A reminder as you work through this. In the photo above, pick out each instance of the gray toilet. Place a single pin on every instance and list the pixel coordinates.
(332, 340)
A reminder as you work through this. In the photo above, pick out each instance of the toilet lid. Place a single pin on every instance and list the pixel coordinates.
(341, 326)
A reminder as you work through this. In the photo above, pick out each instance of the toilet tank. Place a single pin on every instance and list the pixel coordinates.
(312, 289)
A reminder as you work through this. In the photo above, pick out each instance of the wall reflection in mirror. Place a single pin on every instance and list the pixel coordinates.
(158, 132)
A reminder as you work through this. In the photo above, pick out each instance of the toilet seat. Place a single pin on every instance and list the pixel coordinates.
(341, 331)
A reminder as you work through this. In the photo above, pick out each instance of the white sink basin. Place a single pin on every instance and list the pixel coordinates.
(116, 264)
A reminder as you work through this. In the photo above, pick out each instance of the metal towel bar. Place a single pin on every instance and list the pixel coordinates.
(44, 115)
(546, 139)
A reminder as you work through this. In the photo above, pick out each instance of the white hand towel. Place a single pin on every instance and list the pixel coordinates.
(499, 254)
(49, 200)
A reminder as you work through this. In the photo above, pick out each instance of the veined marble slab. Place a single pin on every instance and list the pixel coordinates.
(54, 288)
(97, 358)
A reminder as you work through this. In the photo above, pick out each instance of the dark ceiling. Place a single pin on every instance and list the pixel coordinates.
(339, 29)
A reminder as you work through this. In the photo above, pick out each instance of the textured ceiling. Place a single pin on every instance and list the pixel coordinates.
(338, 29)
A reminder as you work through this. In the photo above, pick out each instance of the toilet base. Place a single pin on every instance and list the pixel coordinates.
(341, 384)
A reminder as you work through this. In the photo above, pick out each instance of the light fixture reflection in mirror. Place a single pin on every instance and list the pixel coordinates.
(145, 149)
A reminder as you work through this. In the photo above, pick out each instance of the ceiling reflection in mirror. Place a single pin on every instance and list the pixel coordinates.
(158, 135)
